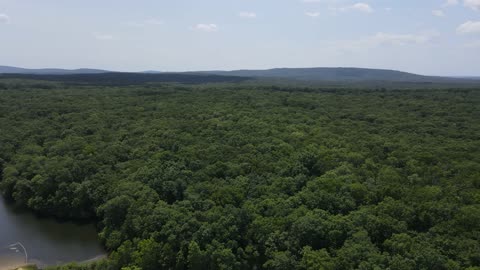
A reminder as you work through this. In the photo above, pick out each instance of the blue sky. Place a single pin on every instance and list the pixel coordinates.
(423, 36)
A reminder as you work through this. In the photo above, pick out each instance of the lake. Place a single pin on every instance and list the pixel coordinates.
(47, 241)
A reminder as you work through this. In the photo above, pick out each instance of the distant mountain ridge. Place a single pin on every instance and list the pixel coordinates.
(49, 71)
(333, 74)
(315, 74)
(126, 78)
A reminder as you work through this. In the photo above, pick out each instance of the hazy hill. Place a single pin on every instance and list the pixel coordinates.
(333, 74)
(305, 75)
(124, 78)
(49, 71)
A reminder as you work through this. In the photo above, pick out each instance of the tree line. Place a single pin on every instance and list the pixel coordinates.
(251, 177)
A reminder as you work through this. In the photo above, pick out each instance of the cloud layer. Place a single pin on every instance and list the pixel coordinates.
(438, 13)
(361, 7)
(473, 4)
(4, 18)
(204, 27)
(470, 27)
(312, 14)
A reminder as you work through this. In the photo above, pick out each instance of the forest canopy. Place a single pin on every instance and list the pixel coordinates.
(227, 176)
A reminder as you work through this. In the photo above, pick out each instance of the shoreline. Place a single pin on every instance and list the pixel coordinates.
(39, 265)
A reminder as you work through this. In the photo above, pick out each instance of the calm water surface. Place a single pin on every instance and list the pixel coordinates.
(47, 241)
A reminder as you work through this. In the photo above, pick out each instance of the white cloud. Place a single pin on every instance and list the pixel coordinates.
(449, 3)
(388, 9)
(101, 36)
(4, 18)
(248, 15)
(340, 5)
(361, 7)
(320, 1)
(470, 27)
(312, 14)
(398, 39)
(473, 4)
(206, 27)
(438, 13)
(385, 39)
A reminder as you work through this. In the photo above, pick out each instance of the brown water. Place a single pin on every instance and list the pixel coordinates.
(47, 241)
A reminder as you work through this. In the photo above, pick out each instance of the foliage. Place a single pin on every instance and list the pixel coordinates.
(244, 177)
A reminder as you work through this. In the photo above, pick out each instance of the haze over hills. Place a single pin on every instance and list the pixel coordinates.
(333, 74)
(127, 78)
(319, 74)
(48, 71)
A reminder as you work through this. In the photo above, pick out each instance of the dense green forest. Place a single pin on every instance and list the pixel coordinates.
(125, 78)
(231, 176)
